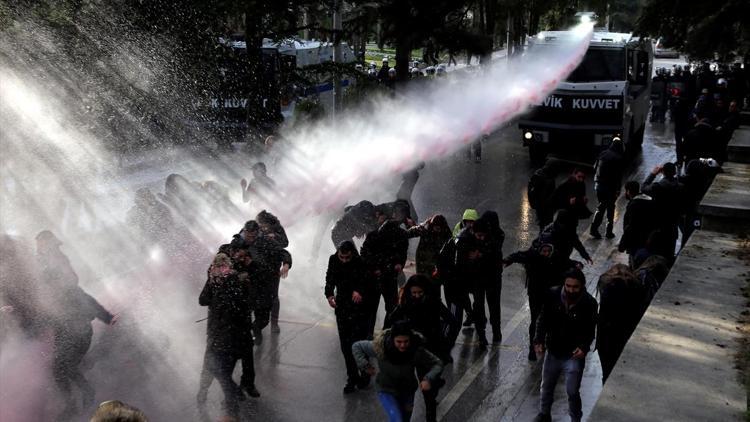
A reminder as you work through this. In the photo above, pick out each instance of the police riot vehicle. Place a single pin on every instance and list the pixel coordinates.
(604, 98)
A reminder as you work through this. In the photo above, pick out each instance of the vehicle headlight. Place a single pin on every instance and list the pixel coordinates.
(528, 136)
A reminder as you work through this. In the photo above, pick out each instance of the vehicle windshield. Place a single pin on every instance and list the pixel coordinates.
(600, 64)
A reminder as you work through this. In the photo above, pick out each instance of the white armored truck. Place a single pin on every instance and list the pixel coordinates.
(606, 97)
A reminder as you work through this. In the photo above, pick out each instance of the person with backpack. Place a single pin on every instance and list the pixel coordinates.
(539, 192)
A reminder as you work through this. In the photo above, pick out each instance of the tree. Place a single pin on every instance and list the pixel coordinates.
(704, 30)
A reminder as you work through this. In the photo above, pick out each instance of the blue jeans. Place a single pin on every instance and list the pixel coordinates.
(551, 371)
(398, 408)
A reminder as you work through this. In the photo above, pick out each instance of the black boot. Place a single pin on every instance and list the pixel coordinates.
(610, 234)
(482, 338)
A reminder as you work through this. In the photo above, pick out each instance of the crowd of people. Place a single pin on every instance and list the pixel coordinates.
(458, 273)
(704, 104)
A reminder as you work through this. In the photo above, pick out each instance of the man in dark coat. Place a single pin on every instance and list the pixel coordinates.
(607, 183)
(384, 254)
(70, 313)
(565, 329)
(542, 273)
(540, 190)
(639, 220)
(571, 195)
(345, 291)
(229, 326)
(668, 196)
(273, 262)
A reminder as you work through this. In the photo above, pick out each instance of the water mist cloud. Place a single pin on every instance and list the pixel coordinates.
(331, 161)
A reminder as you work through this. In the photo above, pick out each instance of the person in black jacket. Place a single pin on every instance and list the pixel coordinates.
(273, 263)
(563, 236)
(565, 329)
(542, 273)
(433, 234)
(638, 222)
(229, 326)
(384, 255)
(571, 195)
(457, 267)
(607, 183)
(488, 286)
(70, 311)
(540, 191)
(358, 220)
(622, 299)
(345, 292)
(702, 141)
(272, 232)
(668, 195)
(427, 315)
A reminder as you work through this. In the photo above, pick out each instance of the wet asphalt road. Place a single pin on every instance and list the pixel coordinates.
(301, 371)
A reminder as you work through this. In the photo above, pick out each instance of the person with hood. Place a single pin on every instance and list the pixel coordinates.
(384, 254)
(621, 297)
(565, 330)
(228, 334)
(607, 182)
(71, 311)
(571, 195)
(488, 284)
(399, 353)
(638, 221)
(427, 316)
(563, 236)
(468, 218)
(432, 234)
(543, 272)
(345, 291)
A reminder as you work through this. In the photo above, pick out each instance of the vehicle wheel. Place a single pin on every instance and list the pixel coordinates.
(537, 155)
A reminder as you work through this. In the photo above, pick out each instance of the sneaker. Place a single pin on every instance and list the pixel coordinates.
(610, 235)
(543, 417)
(275, 329)
(251, 391)
(595, 234)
